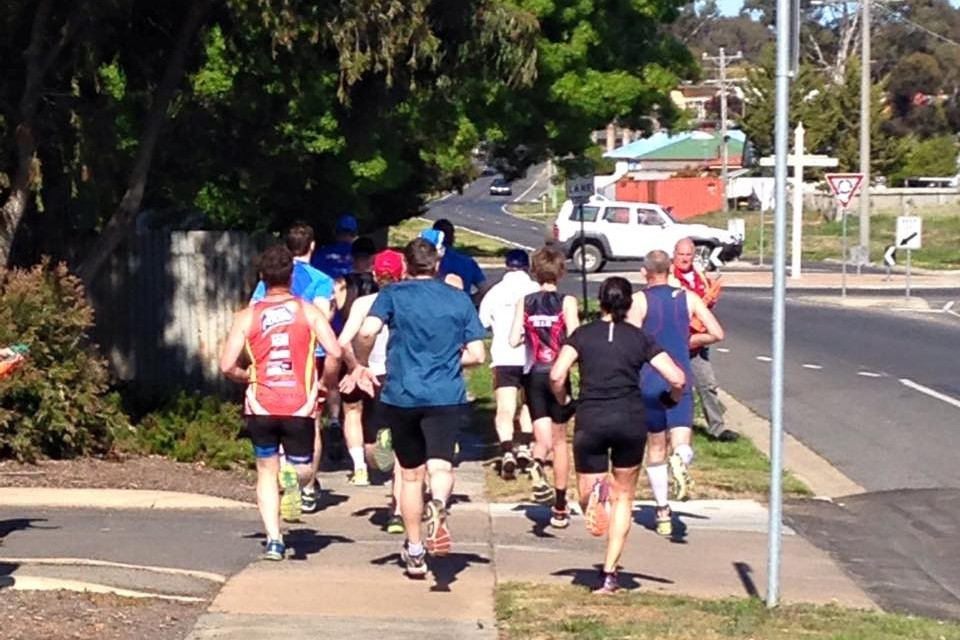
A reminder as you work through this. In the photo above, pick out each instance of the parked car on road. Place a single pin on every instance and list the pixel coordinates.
(615, 230)
(500, 187)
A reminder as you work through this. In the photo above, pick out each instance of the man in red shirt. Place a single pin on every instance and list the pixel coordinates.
(685, 275)
(279, 334)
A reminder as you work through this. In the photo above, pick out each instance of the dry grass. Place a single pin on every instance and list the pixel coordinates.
(467, 242)
(526, 611)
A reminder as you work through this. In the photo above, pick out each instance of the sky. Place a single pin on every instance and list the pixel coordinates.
(729, 7)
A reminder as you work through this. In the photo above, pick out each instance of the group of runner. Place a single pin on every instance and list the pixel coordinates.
(396, 331)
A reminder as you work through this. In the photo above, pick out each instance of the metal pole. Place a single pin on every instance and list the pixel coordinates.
(843, 261)
(724, 170)
(908, 273)
(761, 235)
(798, 150)
(781, 142)
(865, 132)
(583, 261)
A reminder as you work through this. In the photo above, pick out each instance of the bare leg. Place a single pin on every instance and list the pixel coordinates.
(623, 488)
(317, 444)
(585, 482)
(353, 433)
(543, 438)
(411, 501)
(561, 456)
(268, 495)
(526, 424)
(506, 411)
(440, 473)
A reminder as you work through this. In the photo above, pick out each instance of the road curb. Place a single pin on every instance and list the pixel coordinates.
(56, 498)
(868, 302)
(42, 583)
(808, 466)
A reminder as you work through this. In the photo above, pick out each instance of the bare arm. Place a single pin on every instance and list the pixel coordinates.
(358, 313)
(233, 347)
(323, 304)
(561, 371)
(571, 314)
(672, 373)
(369, 329)
(638, 310)
(516, 331)
(474, 353)
(325, 335)
(713, 332)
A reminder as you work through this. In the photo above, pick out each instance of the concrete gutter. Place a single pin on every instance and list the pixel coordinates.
(56, 498)
(42, 583)
(868, 302)
(808, 466)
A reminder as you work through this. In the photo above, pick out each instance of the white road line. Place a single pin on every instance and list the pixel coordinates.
(869, 374)
(930, 392)
(89, 562)
(531, 187)
(949, 305)
(723, 350)
(764, 359)
(815, 367)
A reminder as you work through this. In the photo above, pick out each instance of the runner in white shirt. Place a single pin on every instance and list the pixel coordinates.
(497, 311)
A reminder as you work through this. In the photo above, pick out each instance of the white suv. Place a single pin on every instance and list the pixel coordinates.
(615, 230)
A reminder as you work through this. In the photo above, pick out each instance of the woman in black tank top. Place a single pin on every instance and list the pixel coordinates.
(609, 427)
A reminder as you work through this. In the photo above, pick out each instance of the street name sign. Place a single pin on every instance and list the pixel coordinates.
(579, 189)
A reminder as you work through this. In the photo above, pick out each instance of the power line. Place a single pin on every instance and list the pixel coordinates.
(902, 18)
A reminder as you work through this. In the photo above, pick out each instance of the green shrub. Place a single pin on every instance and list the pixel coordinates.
(192, 428)
(56, 404)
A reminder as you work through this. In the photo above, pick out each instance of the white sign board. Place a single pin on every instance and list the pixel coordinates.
(844, 186)
(909, 229)
(737, 227)
(579, 189)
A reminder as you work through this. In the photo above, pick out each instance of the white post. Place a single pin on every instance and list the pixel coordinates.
(796, 240)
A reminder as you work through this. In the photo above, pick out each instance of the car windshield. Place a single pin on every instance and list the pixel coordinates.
(499, 182)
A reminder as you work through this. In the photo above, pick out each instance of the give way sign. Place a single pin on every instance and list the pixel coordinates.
(844, 186)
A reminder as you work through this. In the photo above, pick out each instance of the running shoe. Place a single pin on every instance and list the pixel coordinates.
(664, 520)
(597, 517)
(360, 478)
(542, 492)
(383, 450)
(290, 502)
(559, 517)
(437, 538)
(275, 550)
(508, 466)
(609, 584)
(395, 524)
(524, 457)
(310, 500)
(682, 482)
(414, 566)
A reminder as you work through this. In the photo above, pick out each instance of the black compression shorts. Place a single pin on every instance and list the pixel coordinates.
(268, 433)
(542, 402)
(424, 433)
(608, 432)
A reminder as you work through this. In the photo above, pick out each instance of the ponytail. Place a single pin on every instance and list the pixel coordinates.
(616, 297)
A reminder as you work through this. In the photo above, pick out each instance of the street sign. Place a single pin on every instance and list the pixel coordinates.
(908, 232)
(737, 228)
(579, 189)
(844, 186)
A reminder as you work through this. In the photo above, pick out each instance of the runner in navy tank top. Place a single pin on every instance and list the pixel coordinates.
(543, 321)
(665, 312)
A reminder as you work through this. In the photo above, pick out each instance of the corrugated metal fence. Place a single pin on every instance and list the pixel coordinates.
(165, 304)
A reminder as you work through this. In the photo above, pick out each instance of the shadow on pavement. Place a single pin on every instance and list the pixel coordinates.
(743, 572)
(306, 542)
(591, 577)
(6, 574)
(645, 516)
(378, 516)
(445, 570)
(539, 515)
(12, 525)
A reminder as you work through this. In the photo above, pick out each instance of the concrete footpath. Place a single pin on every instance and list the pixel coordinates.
(343, 577)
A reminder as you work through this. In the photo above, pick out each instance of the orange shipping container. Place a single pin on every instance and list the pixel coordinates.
(687, 197)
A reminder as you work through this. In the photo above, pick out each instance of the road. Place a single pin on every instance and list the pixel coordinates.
(876, 393)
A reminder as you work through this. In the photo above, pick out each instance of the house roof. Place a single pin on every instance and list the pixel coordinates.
(689, 145)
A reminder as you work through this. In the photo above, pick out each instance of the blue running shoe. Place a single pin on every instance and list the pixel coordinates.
(275, 550)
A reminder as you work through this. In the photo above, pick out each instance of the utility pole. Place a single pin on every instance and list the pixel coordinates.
(721, 62)
(865, 132)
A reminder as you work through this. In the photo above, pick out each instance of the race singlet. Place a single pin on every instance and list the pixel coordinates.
(544, 328)
(280, 344)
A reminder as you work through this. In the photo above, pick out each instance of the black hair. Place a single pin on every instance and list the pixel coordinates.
(363, 246)
(446, 227)
(299, 237)
(276, 266)
(357, 285)
(616, 297)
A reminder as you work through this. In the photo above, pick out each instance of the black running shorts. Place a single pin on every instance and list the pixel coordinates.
(509, 376)
(609, 432)
(542, 402)
(424, 433)
(269, 432)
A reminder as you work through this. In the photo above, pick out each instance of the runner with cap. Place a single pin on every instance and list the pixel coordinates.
(336, 259)
(279, 334)
(497, 311)
(436, 238)
(377, 439)
(455, 263)
(434, 333)
(542, 321)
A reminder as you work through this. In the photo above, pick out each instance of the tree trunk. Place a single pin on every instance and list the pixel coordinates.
(121, 223)
(38, 64)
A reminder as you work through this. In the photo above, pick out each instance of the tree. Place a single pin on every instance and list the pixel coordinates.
(934, 157)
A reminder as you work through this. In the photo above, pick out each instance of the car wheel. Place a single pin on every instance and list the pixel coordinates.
(592, 257)
(701, 257)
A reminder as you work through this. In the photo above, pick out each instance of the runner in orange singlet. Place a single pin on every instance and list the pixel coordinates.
(279, 335)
